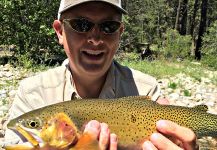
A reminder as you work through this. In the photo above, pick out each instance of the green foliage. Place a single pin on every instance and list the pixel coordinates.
(162, 68)
(147, 20)
(176, 45)
(172, 85)
(210, 61)
(187, 93)
(209, 40)
(27, 24)
(209, 48)
(127, 57)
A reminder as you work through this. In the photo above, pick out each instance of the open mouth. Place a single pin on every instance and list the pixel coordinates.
(93, 54)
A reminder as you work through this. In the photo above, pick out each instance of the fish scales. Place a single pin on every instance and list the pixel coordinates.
(132, 118)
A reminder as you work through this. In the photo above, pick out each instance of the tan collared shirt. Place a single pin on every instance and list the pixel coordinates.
(56, 85)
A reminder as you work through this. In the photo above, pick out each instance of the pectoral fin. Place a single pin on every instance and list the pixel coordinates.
(86, 142)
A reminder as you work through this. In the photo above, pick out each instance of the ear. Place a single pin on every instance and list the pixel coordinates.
(57, 25)
(121, 30)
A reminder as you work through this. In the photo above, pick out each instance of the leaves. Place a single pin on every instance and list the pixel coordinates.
(28, 25)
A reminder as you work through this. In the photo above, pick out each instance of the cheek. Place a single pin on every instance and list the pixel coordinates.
(112, 41)
(72, 42)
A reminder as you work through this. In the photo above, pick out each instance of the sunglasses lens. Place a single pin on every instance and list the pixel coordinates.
(81, 25)
(110, 26)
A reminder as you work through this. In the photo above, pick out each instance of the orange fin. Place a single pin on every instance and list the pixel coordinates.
(86, 142)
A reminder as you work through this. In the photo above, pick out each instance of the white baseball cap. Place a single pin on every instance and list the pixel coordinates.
(66, 4)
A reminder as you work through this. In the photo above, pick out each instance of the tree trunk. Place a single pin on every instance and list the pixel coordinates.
(184, 16)
(192, 26)
(178, 15)
(202, 28)
(196, 5)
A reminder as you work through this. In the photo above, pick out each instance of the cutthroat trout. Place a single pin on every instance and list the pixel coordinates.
(133, 119)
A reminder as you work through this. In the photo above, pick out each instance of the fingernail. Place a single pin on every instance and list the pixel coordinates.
(113, 137)
(147, 145)
(104, 128)
(93, 124)
(161, 124)
(155, 137)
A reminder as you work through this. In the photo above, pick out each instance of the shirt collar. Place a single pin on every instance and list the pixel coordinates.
(108, 90)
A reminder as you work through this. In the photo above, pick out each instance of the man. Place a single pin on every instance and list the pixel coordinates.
(90, 32)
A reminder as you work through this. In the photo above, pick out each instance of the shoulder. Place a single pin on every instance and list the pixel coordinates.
(130, 74)
(130, 82)
(47, 79)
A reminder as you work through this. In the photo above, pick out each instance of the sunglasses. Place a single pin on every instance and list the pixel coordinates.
(83, 25)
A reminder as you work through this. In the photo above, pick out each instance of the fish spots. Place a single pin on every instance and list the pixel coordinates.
(133, 118)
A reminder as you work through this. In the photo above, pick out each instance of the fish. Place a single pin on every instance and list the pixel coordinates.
(57, 133)
(132, 119)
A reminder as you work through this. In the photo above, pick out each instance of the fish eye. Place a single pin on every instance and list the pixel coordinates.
(34, 123)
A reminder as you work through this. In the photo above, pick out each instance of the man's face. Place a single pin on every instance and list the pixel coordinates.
(91, 53)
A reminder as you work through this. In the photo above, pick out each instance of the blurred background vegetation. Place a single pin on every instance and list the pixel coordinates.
(169, 30)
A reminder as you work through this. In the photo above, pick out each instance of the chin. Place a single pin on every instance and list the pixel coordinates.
(94, 69)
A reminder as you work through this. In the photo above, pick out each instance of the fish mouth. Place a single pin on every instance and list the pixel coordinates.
(12, 124)
(17, 127)
(24, 131)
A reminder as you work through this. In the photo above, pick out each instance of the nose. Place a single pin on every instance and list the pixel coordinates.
(94, 36)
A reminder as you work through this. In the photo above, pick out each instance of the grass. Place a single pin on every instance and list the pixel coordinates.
(158, 68)
(164, 68)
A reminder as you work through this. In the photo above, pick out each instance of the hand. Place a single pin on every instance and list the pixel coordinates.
(101, 132)
(162, 101)
(182, 138)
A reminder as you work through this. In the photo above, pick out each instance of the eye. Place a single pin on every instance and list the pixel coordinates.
(33, 124)
(110, 26)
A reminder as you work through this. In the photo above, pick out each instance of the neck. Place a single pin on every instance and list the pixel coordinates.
(89, 87)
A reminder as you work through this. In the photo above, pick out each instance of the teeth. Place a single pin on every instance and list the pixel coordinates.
(92, 52)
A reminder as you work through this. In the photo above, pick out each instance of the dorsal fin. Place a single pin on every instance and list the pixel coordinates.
(140, 97)
(201, 107)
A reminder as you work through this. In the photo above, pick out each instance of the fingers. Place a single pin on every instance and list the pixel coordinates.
(101, 132)
(185, 135)
(163, 101)
(106, 139)
(161, 142)
(93, 128)
(181, 137)
(147, 145)
(113, 142)
(104, 136)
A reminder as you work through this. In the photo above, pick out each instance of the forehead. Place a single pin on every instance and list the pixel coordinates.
(93, 10)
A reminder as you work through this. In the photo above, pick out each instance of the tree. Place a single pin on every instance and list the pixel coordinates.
(202, 29)
(28, 26)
